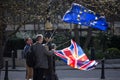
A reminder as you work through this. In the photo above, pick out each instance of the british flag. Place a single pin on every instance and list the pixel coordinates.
(75, 57)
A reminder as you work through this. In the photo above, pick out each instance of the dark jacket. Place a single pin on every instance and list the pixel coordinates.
(41, 55)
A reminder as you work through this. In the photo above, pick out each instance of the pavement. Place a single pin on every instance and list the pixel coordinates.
(65, 72)
(65, 67)
(89, 79)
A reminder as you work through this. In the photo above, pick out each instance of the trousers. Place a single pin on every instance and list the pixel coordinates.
(38, 73)
(29, 72)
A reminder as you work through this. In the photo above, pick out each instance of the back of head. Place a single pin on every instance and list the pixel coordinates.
(39, 37)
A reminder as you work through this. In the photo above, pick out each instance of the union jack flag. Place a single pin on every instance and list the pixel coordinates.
(75, 57)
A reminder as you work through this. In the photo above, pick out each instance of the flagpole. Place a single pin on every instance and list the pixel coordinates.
(51, 35)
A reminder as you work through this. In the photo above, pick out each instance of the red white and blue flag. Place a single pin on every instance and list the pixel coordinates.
(75, 57)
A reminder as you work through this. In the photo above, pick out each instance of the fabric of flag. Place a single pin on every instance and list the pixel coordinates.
(75, 57)
(79, 14)
(100, 23)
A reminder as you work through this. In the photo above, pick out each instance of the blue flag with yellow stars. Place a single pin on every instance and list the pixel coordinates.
(79, 14)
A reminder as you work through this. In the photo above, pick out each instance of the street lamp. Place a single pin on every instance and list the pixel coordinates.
(48, 25)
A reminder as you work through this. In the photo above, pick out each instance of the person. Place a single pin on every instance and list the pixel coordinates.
(50, 72)
(29, 70)
(40, 53)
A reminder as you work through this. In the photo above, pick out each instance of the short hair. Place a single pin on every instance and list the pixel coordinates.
(38, 35)
(26, 39)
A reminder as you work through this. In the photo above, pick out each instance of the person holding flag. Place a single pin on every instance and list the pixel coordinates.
(50, 72)
(40, 54)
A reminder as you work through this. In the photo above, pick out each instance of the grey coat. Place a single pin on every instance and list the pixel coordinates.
(41, 53)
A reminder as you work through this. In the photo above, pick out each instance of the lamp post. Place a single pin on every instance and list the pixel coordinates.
(48, 28)
(48, 25)
(102, 69)
(76, 33)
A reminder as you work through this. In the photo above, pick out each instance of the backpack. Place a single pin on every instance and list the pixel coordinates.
(25, 51)
(30, 58)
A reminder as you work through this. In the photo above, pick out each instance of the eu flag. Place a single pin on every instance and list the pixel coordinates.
(79, 14)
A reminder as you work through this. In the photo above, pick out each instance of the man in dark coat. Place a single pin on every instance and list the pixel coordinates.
(41, 53)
